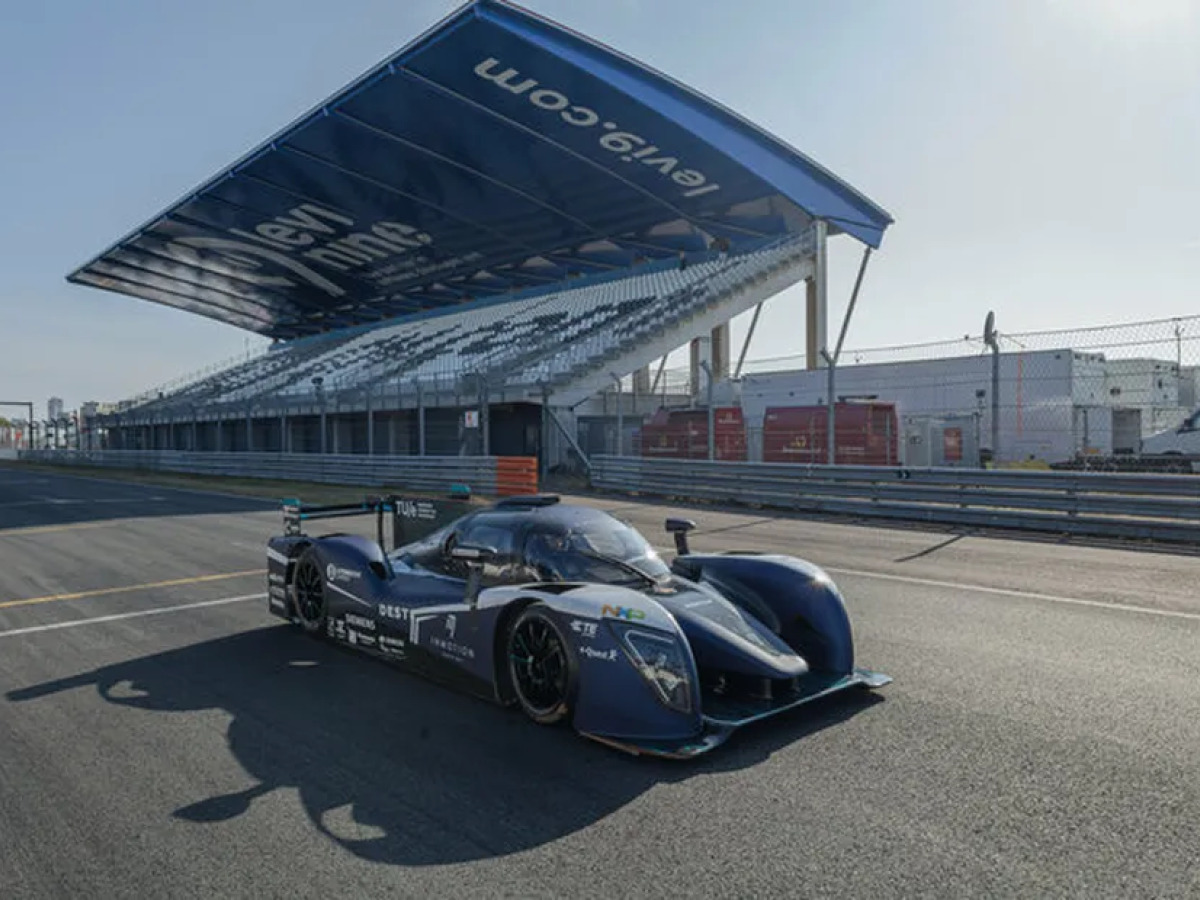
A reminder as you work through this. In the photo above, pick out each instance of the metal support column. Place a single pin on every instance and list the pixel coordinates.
(831, 412)
(996, 404)
(658, 375)
(620, 418)
(991, 339)
(712, 437)
(420, 420)
(832, 361)
(574, 444)
(544, 439)
(485, 420)
(746, 343)
(816, 302)
(370, 424)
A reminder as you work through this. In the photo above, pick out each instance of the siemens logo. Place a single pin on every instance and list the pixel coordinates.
(630, 147)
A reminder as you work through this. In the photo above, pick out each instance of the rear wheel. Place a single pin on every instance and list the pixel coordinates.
(540, 666)
(308, 591)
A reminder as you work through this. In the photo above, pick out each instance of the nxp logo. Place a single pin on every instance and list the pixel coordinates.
(622, 612)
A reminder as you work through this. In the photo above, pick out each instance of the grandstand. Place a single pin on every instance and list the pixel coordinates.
(455, 256)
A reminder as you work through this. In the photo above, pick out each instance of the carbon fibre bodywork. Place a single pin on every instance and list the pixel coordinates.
(670, 667)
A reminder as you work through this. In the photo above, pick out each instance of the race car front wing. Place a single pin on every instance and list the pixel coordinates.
(721, 717)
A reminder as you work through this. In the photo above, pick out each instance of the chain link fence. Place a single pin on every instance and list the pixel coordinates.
(1121, 396)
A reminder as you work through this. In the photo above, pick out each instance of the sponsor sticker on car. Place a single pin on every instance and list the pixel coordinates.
(599, 655)
(341, 573)
(583, 628)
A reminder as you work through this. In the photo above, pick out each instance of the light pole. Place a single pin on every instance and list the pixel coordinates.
(712, 438)
(831, 361)
(979, 396)
(991, 339)
(29, 426)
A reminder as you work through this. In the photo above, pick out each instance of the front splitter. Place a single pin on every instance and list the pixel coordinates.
(717, 729)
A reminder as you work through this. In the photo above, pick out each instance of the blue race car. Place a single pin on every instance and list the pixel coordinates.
(570, 614)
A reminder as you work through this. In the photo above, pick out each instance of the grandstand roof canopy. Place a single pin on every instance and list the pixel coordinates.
(497, 151)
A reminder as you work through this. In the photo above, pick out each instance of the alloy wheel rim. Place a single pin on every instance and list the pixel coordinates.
(309, 593)
(539, 665)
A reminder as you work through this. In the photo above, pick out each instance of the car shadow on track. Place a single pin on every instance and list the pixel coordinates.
(398, 770)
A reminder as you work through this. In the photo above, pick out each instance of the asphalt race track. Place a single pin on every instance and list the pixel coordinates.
(164, 737)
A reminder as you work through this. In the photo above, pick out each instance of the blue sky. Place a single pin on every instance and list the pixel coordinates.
(1040, 156)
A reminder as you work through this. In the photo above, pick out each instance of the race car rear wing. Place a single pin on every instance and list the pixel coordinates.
(411, 518)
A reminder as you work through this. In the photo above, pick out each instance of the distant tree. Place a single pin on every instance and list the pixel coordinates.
(4, 423)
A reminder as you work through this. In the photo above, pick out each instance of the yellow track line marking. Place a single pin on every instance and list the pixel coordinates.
(100, 592)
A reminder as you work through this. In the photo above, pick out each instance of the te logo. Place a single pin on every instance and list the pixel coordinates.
(622, 612)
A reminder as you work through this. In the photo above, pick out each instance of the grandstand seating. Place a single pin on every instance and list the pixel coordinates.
(544, 336)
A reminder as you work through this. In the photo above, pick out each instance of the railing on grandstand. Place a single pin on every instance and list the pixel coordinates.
(338, 368)
(182, 382)
(722, 275)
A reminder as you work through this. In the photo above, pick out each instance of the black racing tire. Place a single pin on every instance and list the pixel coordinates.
(542, 668)
(308, 593)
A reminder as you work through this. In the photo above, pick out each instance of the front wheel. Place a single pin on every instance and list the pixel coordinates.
(540, 666)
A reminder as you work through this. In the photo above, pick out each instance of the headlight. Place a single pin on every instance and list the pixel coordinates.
(662, 663)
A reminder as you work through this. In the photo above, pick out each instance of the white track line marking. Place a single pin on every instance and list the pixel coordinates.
(1001, 592)
(77, 501)
(96, 620)
(161, 487)
(1010, 592)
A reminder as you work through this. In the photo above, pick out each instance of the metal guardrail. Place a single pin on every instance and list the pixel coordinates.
(1156, 507)
(421, 473)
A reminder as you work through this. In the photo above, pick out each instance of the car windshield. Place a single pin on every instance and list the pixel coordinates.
(595, 548)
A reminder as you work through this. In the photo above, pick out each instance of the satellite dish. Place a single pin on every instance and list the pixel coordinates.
(989, 329)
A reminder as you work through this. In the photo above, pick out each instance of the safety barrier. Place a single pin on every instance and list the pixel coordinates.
(516, 475)
(1156, 507)
(485, 475)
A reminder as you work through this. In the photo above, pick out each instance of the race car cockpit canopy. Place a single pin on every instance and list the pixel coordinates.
(496, 152)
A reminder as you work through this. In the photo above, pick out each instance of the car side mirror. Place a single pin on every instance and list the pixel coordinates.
(469, 553)
(680, 528)
(475, 558)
